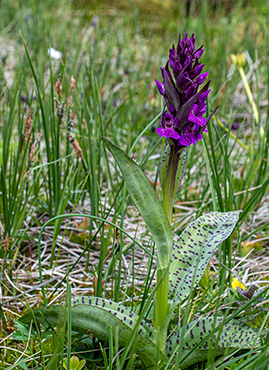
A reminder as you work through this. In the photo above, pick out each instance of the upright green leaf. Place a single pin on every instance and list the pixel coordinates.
(147, 203)
(194, 248)
(199, 337)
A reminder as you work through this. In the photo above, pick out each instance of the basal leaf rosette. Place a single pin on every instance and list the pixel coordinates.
(101, 317)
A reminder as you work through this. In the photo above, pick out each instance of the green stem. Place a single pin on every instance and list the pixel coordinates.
(169, 187)
(161, 309)
(161, 303)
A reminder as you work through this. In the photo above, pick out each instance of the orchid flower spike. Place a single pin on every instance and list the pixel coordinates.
(182, 119)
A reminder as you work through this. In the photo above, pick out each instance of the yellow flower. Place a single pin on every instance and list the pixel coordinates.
(238, 60)
(236, 283)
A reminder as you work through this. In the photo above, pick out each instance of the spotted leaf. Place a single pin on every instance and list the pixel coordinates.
(199, 337)
(100, 316)
(118, 311)
(193, 250)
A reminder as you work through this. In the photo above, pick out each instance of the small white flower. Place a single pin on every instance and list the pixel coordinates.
(54, 54)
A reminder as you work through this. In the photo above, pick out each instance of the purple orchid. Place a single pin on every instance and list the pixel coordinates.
(182, 119)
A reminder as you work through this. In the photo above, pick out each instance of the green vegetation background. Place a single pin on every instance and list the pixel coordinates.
(114, 50)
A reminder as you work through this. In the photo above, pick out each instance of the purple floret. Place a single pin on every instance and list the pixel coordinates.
(168, 127)
(168, 132)
(196, 113)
